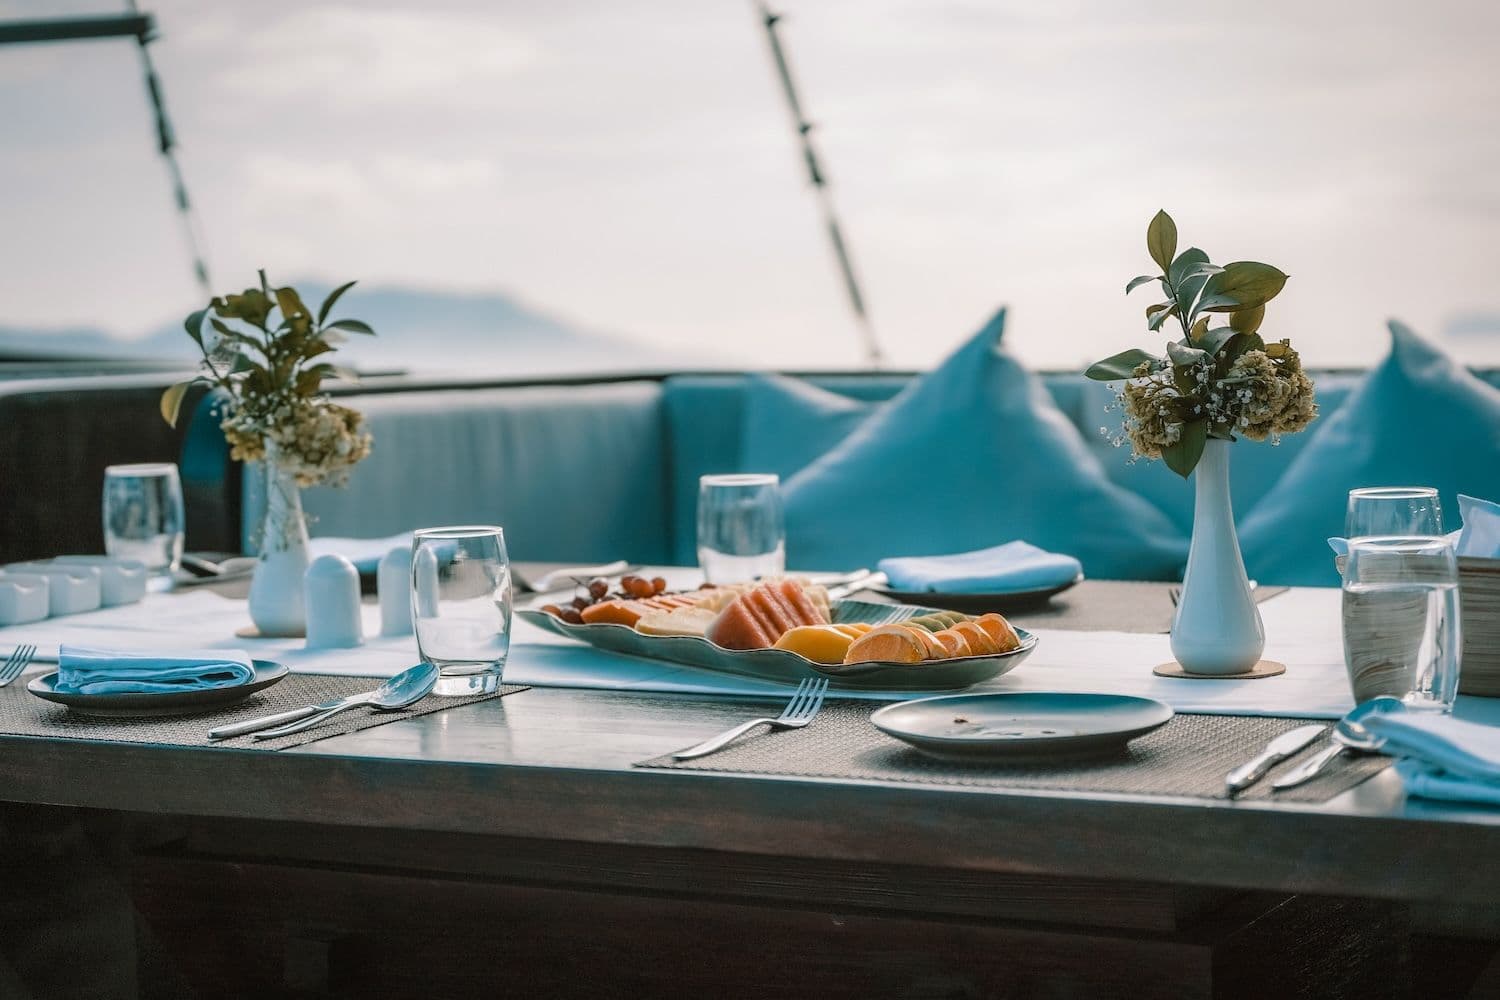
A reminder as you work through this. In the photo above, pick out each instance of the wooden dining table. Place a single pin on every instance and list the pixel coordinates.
(512, 848)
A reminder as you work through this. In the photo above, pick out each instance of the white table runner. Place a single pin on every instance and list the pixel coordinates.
(1302, 628)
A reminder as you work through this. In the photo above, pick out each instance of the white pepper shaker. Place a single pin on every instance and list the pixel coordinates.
(330, 594)
(393, 583)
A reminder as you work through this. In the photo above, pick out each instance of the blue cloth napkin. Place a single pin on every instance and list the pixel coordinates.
(81, 670)
(1014, 566)
(1442, 757)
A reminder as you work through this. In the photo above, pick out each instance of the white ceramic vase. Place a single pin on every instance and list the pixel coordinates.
(1217, 629)
(276, 605)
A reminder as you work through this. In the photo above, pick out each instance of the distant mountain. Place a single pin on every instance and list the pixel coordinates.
(418, 329)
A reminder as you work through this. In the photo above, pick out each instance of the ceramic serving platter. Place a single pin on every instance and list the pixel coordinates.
(787, 667)
(158, 702)
(1006, 726)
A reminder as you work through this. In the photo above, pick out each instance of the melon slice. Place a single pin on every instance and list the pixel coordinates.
(614, 613)
(678, 621)
(887, 644)
(819, 643)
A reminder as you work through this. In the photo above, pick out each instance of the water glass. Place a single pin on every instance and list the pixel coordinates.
(1401, 620)
(1393, 510)
(741, 532)
(143, 518)
(461, 605)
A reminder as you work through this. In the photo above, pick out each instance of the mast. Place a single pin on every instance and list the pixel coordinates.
(873, 356)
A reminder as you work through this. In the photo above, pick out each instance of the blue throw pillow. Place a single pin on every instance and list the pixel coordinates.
(971, 455)
(1418, 419)
(789, 423)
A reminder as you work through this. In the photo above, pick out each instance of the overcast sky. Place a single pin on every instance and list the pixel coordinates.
(629, 165)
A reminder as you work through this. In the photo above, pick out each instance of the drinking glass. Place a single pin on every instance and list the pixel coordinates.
(461, 605)
(1393, 510)
(1401, 621)
(741, 533)
(143, 517)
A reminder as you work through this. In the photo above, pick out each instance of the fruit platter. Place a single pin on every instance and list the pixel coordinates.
(784, 629)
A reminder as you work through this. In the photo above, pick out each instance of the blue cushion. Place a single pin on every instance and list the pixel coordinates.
(705, 416)
(971, 455)
(573, 473)
(1418, 419)
(1254, 467)
(790, 423)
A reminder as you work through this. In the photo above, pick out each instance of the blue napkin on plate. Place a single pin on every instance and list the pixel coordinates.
(1014, 566)
(1442, 757)
(81, 670)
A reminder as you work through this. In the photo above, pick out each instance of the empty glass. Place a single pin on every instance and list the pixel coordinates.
(143, 517)
(1401, 621)
(741, 533)
(461, 605)
(1393, 510)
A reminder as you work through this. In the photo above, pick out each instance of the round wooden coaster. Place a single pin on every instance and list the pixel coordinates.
(1265, 668)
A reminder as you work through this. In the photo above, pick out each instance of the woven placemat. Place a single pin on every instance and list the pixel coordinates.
(24, 714)
(1189, 756)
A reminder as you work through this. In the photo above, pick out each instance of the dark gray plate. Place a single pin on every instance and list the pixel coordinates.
(979, 604)
(788, 667)
(165, 703)
(1001, 727)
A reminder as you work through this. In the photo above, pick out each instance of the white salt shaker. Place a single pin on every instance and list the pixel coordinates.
(393, 583)
(71, 589)
(330, 595)
(23, 598)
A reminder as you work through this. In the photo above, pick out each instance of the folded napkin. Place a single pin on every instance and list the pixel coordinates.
(1013, 566)
(1442, 757)
(1481, 532)
(81, 670)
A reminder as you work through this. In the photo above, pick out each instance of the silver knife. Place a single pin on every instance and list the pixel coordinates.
(1279, 749)
(268, 721)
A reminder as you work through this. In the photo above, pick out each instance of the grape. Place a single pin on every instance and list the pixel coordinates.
(552, 609)
(659, 584)
(581, 602)
(598, 587)
(639, 587)
(572, 617)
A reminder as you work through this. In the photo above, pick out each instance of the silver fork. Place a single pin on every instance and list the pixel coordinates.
(20, 659)
(804, 705)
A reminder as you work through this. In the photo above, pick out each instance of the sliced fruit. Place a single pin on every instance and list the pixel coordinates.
(819, 643)
(678, 621)
(954, 642)
(980, 643)
(1000, 630)
(935, 650)
(614, 613)
(887, 644)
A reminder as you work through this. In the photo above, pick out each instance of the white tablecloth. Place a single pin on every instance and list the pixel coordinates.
(1302, 629)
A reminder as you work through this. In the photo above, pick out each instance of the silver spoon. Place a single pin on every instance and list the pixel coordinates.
(1348, 734)
(405, 689)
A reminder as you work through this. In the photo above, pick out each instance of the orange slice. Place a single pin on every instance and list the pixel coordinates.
(980, 643)
(997, 628)
(955, 644)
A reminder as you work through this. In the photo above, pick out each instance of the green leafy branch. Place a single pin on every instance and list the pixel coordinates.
(1196, 293)
(258, 362)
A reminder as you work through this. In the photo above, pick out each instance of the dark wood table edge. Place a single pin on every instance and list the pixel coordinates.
(1187, 842)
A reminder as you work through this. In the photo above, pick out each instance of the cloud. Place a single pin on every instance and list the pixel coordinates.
(356, 57)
